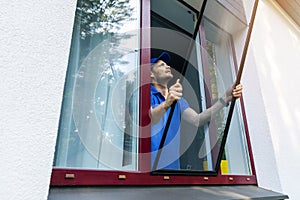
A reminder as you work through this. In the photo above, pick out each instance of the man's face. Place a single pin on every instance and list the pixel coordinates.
(161, 72)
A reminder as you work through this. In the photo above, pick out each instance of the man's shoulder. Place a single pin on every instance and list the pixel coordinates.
(153, 90)
(183, 104)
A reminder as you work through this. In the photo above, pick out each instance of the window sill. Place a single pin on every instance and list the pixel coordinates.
(167, 193)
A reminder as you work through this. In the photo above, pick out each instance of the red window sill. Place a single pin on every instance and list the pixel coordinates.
(79, 177)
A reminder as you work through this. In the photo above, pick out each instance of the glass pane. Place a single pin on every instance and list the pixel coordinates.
(183, 142)
(196, 141)
(235, 159)
(209, 74)
(99, 117)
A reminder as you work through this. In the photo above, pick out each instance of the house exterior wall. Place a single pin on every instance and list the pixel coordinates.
(271, 101)
(35, 40)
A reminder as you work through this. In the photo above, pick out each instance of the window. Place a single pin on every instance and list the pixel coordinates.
(98, 128)
(210, 72)
(104, 133)
(218, 48)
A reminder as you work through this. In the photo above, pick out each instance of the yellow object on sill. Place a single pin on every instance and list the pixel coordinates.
(224, 167)
(205, 165)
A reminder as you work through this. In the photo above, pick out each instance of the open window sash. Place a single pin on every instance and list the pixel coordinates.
(211, 151)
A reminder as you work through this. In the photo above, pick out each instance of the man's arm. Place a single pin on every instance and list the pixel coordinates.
(158, 112)
(199, 119)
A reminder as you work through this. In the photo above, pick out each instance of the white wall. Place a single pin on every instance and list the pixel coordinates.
(272, 99)
(34, 43)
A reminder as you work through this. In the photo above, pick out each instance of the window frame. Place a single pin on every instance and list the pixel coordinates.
(87, 177)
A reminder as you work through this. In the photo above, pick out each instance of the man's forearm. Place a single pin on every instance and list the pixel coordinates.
(209, 113)
(158, 112)
(199, 119)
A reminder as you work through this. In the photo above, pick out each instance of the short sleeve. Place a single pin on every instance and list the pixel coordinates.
(183, 105)
(154, 101)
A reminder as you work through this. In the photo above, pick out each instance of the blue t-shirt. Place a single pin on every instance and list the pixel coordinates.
(169, 158)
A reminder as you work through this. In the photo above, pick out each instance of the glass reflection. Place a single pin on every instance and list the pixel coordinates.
(235, 159)
(98, 127)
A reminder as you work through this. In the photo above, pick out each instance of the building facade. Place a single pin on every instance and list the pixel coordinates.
(64, 79)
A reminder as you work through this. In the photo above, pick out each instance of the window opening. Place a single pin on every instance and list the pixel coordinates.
(209, 75)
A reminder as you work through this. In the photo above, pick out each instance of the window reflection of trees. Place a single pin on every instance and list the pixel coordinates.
(220, 117)
(98, 63)
(100, 22)
(102, 17)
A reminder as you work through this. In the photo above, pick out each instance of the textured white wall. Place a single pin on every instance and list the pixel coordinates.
(258, 122)
(272, 101)
(34, 43)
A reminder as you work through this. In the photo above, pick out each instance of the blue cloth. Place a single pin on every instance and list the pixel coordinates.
(169, 158)
(164, 56)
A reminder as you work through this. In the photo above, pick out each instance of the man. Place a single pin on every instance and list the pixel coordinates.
(162, 98)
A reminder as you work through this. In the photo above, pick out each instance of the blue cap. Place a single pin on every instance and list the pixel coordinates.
(164, 56)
